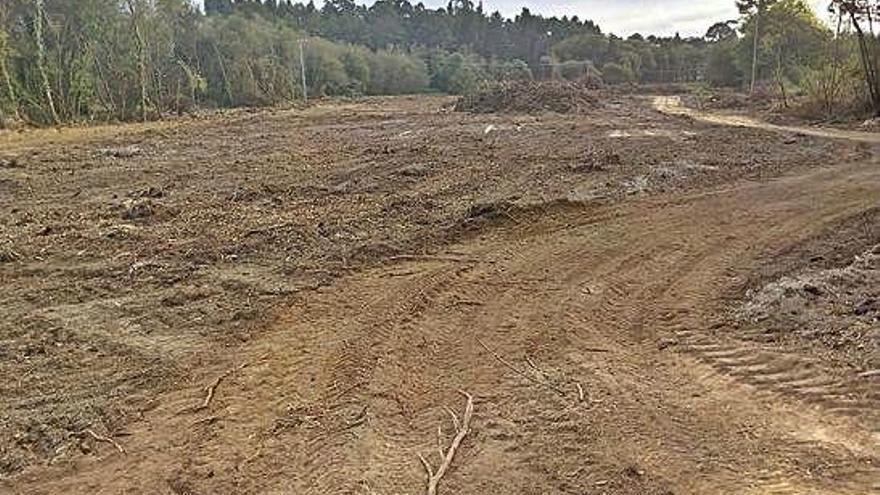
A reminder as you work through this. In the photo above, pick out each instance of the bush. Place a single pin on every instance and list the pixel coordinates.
(529, 97)
(256, 62)
(511, 70)
(614, 73)
(570, 70)
(721, 67)
(834, 92)
(252, 62)
(394, 73)
(325, 72)
(456, 73)
(593, 47)
(357, 68)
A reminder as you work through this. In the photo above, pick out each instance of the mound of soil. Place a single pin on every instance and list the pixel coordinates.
(530, 97)
(726, 99)
(838, 308)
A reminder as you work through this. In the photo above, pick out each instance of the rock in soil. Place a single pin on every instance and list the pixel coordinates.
(135, 210)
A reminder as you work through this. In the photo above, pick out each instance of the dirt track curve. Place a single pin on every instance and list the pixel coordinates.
(626, 379)
(672, 105)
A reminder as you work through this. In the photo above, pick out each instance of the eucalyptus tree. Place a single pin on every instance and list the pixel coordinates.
(755, 10)
(862, 13)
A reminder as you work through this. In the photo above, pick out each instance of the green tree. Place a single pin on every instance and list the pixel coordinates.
(754, 10)
(396, 73)
(511, 70)
(457, 73)
(8, 97)
(859, 12)
(588, 47)
(721, 31)
(614, 73)
(792, 38)
(721, 65)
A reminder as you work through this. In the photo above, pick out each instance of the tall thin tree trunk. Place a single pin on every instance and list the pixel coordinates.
(41, 61)
(780, 80)
(107, 100)
(226, 86)
(10, 89)
(302, 70)
(832, 89)
(868, 65)
(755, 49)
(4, 69)
(142, 63)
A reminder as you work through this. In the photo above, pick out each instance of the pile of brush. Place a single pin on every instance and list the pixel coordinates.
(530, 97)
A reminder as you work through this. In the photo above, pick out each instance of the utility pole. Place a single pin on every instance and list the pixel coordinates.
(302, 69)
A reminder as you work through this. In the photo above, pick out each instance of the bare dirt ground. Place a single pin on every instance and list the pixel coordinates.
(289, 301)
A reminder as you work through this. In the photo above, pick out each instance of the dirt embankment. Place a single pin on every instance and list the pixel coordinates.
(822, 294)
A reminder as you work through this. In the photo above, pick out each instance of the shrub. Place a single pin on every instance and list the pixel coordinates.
(456, 73)
(511, 70)
(721, 67)
(394, 73)
(614, 73)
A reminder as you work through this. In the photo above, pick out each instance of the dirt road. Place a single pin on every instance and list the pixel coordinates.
(591, 336)
(672, 105)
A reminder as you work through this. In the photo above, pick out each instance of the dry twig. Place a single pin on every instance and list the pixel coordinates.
(521, 373)
(102, 438)
(870, 374)
(427, 257)
(211, 390)
(462, 428)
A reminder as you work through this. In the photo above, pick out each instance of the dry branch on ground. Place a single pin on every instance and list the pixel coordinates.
(462, 428)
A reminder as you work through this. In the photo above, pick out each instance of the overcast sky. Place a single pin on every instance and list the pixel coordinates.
(624, 17)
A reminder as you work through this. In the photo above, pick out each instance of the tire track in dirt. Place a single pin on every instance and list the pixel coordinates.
(354, 379)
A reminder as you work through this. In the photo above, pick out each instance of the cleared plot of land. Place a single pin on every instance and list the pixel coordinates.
(285, 302)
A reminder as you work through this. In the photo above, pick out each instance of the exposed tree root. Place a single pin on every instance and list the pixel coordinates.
(462, 428)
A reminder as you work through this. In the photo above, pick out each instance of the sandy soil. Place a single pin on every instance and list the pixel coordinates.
(334, 276)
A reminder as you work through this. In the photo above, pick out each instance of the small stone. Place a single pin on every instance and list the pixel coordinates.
(867, 306)
(124, 152)
(8, 256)
(135, 210)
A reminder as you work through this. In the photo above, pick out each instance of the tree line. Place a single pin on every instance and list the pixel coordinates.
(782, 46)
(109, 60)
